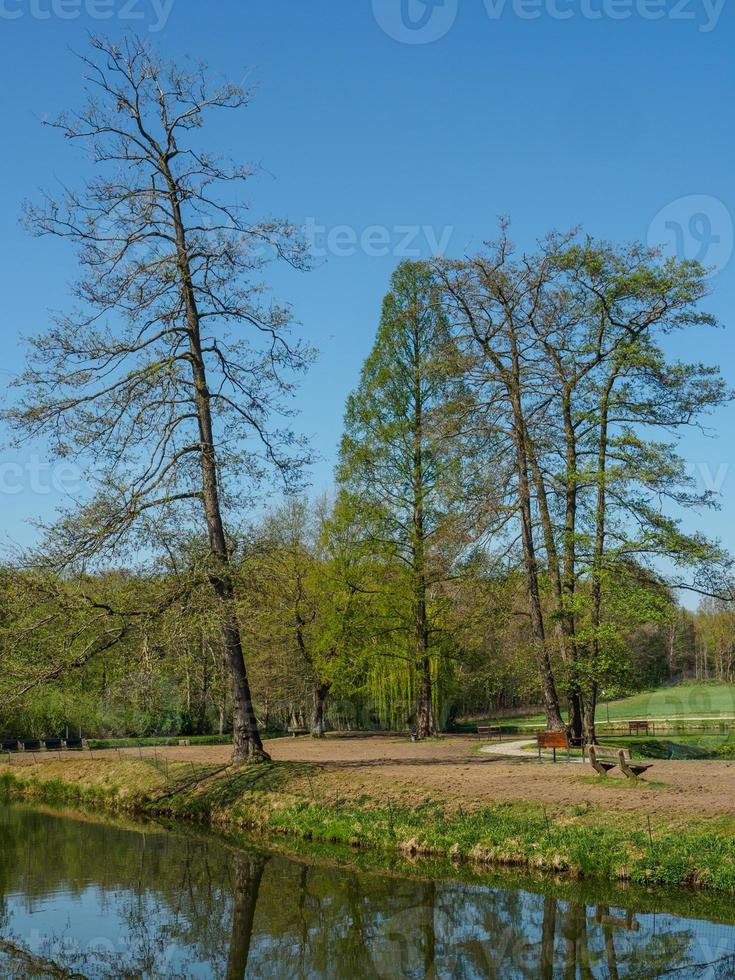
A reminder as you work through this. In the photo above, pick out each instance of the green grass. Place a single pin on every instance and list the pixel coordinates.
(681, 701)
(678, 746)
(671, 703)
(580, 841)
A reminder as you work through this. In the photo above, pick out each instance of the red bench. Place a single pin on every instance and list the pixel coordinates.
(640, 728)
(557, 740)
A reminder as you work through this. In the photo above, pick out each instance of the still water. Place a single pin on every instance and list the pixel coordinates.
(82, 896)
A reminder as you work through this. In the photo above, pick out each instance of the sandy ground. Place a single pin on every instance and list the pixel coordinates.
(460, 770)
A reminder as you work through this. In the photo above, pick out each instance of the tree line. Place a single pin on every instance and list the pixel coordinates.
(508, 490)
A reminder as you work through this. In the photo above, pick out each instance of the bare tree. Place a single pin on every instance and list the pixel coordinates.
(171, 373)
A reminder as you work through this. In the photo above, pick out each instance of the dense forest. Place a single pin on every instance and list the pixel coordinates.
(506, 521)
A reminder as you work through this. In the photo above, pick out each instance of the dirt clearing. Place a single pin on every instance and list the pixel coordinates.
(452, 772)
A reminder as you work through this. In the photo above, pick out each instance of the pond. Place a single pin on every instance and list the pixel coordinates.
(84, 896)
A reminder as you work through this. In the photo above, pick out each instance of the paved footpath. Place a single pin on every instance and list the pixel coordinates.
(520, 750)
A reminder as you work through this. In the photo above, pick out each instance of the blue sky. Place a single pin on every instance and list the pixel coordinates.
(367, 126)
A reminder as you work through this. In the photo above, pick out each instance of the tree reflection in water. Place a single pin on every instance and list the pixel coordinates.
(84, 898)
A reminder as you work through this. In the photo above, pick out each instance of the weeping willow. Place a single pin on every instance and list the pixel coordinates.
(391, 689)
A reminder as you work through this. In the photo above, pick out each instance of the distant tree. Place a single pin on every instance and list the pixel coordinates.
(292, 602)
(170, 374)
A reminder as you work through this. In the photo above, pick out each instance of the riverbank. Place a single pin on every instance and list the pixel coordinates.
(425, 801)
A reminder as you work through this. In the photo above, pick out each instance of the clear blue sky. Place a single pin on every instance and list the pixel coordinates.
(595, 120)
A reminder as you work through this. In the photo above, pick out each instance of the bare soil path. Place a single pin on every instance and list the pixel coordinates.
(462, 771)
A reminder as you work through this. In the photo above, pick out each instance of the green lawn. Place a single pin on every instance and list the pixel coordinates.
(684, 701)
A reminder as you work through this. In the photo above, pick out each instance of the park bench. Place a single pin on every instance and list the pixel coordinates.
(298, 731)
(74, 744)
(53, 744)
(604, 759)
(632, 769)
(552, 740)
(31, 744)
(10, 745)
(490, 731)
(639, 728)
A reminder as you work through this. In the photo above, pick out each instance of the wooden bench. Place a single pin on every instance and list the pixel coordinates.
(639, 728)
(552, 740)
(604, 759)
(632, 769)
(490, 731)
(298, 731)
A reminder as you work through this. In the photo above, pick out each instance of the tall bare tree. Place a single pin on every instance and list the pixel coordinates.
(170, 375)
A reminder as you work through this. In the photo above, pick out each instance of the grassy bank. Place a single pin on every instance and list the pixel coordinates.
(286, 799)
(673, 703)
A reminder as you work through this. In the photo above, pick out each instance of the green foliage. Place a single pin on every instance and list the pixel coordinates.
(404, 478)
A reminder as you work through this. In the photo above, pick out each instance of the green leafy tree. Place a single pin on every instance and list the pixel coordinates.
(564, 354)
(401, 467)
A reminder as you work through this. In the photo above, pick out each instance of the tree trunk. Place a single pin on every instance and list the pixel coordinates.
(204, 700)
(548, 936)
(554, 720)
(317, 716)
(248, 875)
(222, 713)
(589, 706)
(247, 745)
(599, 555)
(569, 565)
(564, 626)
(425, 722)
(576, 712)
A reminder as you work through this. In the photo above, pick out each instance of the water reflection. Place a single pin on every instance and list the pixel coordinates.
(86, 898)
